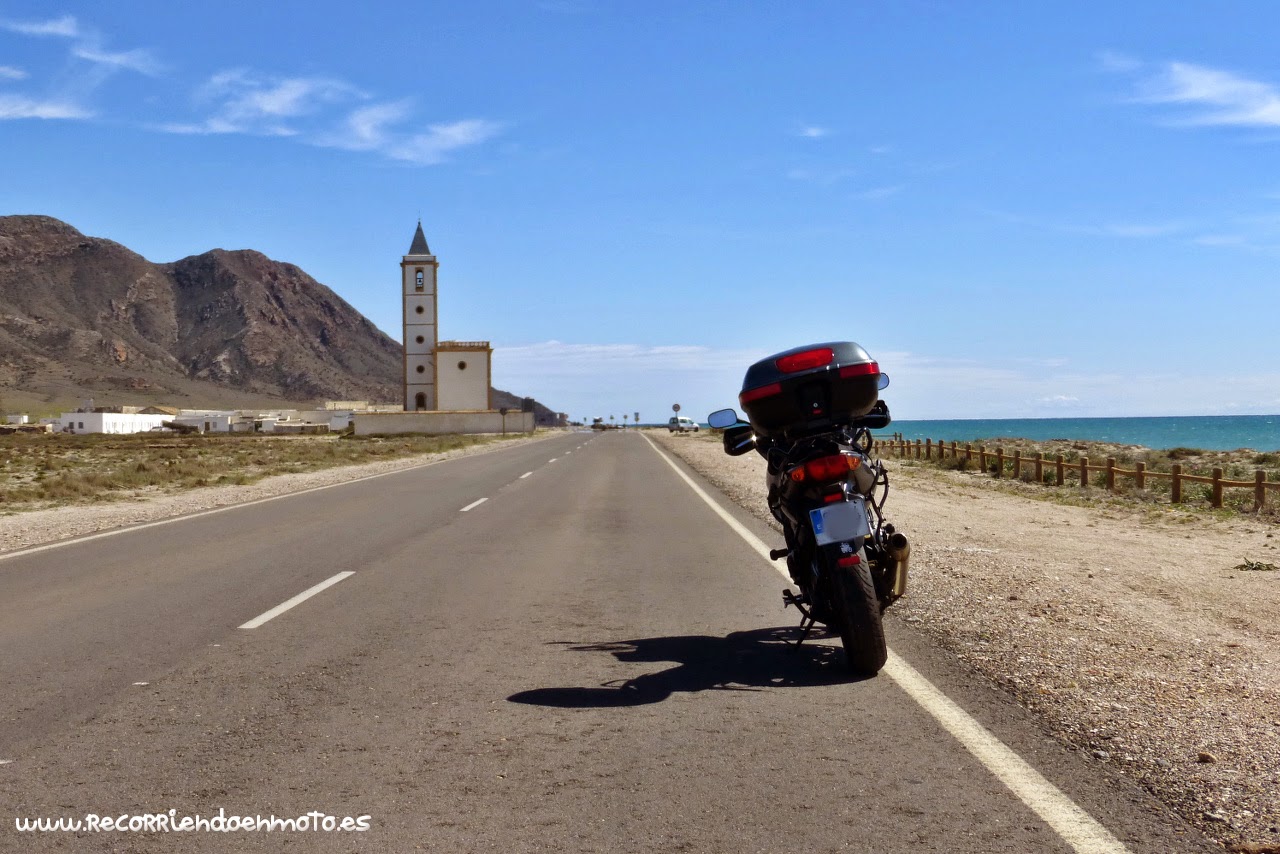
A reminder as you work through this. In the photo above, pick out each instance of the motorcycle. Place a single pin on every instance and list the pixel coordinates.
(810, 413)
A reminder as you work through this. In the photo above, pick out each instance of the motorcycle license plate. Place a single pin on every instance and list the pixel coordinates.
(838, 523)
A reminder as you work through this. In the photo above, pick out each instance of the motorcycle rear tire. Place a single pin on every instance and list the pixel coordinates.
(853, 595)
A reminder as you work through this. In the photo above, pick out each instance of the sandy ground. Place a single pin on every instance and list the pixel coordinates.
(1128, 629)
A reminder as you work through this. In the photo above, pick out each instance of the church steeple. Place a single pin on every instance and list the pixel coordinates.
(419, 246)
(418, 284)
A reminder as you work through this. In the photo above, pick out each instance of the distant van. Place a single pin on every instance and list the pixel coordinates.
(680, 424)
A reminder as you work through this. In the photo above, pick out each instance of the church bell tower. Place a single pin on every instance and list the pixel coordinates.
(418, 280)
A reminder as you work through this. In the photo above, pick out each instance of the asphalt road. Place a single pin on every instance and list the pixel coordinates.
(589, 659)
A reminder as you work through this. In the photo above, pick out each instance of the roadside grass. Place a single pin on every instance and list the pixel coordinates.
(47, 470)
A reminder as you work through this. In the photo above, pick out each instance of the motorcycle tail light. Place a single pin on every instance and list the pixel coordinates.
(806, 360)
(859, 370)
(825, 469)
(757, 393)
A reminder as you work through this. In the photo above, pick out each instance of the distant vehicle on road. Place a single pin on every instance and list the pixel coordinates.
(678, 424)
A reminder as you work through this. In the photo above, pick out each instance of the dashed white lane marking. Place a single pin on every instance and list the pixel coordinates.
(526, 474)
(141, 684)
(296, 600)
(6, 761)
(473, 505)
(553, 459)
(1076, 827)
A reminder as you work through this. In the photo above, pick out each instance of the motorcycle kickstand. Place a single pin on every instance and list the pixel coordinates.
(806, 618)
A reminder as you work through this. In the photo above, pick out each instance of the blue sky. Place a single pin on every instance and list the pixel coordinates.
(1020, 209)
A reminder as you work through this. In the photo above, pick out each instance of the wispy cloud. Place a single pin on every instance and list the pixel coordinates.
(64, 27)
(65, 98)
(326, 112)
(368, 128)
(1212, 96)
(441, 139)
(138, 60)
(813, 132)
(249, 103)
(880, 192)
(19, 107)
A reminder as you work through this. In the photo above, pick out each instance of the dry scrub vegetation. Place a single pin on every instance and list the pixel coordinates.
(39, 471)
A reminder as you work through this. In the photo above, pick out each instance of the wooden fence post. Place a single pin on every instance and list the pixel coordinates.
(1259, 489)
(1084, 472)
(1039, 467)
(928, 449)
(1111, 474)
(1175, 483)
(1217, 488)
(1140, 475)
(1017, 464)
(918, 447)
(999, 462)
(1062, 471)
(968, 452)
(982, 458)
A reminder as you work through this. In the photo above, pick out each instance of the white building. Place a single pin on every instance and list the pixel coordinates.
(109, 422)
(451, 376)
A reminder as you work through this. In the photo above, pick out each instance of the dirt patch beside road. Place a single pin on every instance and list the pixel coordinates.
(1130, 629)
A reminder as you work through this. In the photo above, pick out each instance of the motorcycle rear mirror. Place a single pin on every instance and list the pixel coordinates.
(722, 418)
(884, 381)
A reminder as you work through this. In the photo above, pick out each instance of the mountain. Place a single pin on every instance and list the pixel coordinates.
(82, 317)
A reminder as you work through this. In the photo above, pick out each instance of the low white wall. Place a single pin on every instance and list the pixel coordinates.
(439, 423)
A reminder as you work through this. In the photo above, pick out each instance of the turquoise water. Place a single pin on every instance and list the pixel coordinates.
(1208, 432)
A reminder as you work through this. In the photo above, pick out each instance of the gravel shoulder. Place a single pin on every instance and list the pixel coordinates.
(1129, 630)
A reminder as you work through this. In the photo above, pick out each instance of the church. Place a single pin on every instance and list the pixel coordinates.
(451, 375)
(447, 384)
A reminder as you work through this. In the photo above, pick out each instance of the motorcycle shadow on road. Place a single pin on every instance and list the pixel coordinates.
(741, 661)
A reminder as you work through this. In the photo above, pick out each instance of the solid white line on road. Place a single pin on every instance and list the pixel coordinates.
(296, 600)
(6, 761)
(473, 505)
(526, 474)
(1076, 827)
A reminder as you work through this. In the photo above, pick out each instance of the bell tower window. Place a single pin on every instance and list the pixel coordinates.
(419, 282)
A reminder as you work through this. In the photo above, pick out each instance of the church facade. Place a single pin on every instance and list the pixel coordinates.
(447, 384)
(438, 375)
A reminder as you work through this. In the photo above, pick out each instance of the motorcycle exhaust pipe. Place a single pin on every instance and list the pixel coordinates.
(899, 551)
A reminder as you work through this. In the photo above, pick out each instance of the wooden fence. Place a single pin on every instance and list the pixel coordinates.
(927, 449)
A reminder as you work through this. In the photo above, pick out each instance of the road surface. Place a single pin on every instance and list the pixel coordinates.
(556, 646)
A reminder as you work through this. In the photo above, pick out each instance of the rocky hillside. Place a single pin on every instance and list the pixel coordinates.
(82, 317)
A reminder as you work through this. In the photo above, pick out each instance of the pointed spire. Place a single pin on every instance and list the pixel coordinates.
(419, 246)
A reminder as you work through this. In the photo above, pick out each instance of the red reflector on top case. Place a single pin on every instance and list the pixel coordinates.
(860, 370)
(757, 393)
(850, 560)
(806, 360)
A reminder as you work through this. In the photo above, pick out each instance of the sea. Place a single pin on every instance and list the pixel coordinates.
(1206, 432)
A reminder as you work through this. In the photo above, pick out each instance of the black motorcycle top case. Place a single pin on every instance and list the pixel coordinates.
(801, 391)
